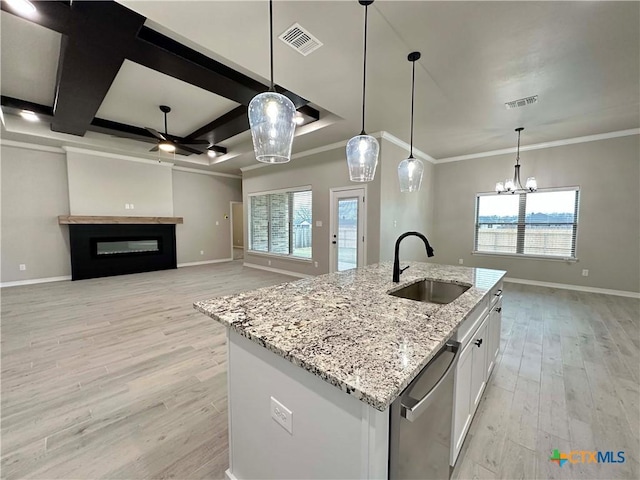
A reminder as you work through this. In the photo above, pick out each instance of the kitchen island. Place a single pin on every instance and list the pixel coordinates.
(315, 364)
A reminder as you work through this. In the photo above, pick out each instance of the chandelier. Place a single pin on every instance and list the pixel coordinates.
(515, 185)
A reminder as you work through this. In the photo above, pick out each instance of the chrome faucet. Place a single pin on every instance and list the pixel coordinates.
(396, 261)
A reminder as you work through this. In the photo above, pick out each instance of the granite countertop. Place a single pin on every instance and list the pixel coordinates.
(346, 329)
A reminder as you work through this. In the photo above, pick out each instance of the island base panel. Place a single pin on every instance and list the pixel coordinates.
(334, 435)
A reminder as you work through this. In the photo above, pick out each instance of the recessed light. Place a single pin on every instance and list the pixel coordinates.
(299, 119)
(29, 116)
(23, 7)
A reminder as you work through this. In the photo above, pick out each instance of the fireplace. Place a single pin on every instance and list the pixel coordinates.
(101, 250)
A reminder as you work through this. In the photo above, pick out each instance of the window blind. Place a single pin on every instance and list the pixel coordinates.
(540, 224)
(280, 223)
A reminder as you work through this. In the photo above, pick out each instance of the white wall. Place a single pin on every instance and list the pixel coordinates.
(101, 185)
(607, 172)
(34, 192)
(403, 212)
(204, 200)
(322, 171)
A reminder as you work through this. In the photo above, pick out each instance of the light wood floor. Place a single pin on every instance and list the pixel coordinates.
(121, 378)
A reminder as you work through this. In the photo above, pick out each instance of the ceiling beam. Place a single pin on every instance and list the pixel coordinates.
(237, 121)
(91, 54)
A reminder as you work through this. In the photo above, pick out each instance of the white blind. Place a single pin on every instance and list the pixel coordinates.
(280, 223)
(542, 224)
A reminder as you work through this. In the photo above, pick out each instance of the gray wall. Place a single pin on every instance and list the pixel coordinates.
(402, 212)
(204, 200)
(607, 172)
(102, 186)
(238, 224)
(322, 171)
(34, 193)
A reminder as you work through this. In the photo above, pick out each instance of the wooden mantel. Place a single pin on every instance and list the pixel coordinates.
(104, 220)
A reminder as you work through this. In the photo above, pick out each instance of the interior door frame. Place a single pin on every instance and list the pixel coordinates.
(332, 205)
(231, 203)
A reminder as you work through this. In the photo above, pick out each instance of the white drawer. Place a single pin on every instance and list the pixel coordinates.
(471, 324)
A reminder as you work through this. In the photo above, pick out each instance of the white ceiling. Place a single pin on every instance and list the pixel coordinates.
(581, 58)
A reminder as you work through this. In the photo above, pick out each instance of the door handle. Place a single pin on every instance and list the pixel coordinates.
(499, 309)
(498, 293)
(477, 343)
(413, 409)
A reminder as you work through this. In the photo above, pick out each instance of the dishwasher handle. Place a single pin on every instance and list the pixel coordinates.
(413, 411)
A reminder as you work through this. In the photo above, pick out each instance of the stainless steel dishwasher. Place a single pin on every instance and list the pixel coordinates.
(420, 423)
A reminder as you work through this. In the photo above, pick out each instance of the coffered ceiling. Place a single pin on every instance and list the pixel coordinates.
(580, 58)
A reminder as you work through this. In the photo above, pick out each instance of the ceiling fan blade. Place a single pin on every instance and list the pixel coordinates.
(155, 133)
(186, 148)
(196, 142)
(154, 149)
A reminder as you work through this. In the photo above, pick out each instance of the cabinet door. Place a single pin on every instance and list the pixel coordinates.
(479, 364)
(493, 346)
(462, 413)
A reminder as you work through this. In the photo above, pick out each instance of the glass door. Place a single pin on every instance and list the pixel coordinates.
(347, 229)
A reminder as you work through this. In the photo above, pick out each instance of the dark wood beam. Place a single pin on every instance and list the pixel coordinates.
(15, 106)
(237, 121)
(91, 55)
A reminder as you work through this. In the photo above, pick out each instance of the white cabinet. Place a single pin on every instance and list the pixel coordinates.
(479, 336)
(495, 324)
(479, 368)
(462, 413)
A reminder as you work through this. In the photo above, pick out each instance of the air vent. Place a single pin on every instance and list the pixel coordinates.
(300, 39)
(521, 102)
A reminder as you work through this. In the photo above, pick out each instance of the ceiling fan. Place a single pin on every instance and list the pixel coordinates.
(170, 144)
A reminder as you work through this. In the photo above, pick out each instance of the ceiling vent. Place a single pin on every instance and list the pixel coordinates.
(300, 39)
(521, 102)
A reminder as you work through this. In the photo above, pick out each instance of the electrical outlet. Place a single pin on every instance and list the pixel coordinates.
(282, 415)
(318, 223)
(269, 262)
(395, 223)
(131, 206)
(201, 252)
(585, 273)
(23, 267)
(217, 222)
(461, 261)
(315, 264)
(126, 206)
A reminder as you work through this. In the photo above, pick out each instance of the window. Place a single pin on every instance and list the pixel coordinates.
(280, 223)
(539, 224)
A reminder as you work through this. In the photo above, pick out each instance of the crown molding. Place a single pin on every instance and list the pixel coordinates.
(30, 146)
(117, 156)
(384, 135)
(404, 145)
(539, 146)
(206, 172)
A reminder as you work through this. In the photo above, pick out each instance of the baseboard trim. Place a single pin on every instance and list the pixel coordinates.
(205, 262)
(579, 288)
(33, 281)
(276, 270)
(229, 475)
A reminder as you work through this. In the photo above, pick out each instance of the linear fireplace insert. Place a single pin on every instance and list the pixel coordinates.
(101, 250)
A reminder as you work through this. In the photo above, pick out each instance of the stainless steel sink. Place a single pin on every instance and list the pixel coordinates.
(431, 291)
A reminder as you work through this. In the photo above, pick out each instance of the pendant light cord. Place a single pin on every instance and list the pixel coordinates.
(364, 69)
(271, 88)
(413, 88)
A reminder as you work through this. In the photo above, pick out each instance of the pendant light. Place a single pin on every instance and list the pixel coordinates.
(515, 186)
(410, 169)
(363, 149)
(271, 118)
